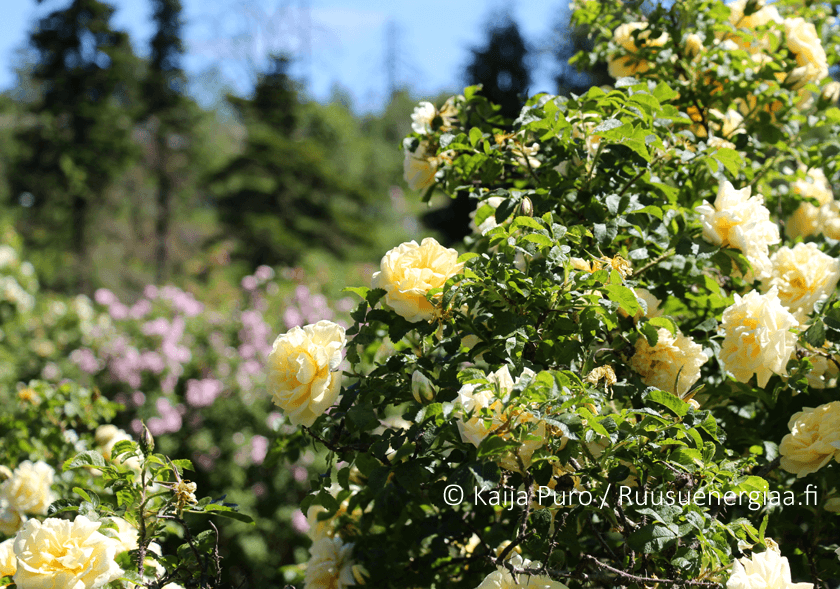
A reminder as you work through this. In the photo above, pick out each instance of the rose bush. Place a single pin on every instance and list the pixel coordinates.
(599, 380)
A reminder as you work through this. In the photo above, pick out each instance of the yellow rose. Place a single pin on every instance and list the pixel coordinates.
(673, 364)
(804, 276)
(331, 565)
(757, 340)
(814, 439)
(809, 219)
(302, 370)
(765, 570)
(419, 168)
(28, 489)
(472, 398)
(620, 66)
(409, 271)
(648, 305)
(804, 43)
(501, 578)
(60, 553)
(106, 437)
(740, 221)
(8, 562)
(761, 17)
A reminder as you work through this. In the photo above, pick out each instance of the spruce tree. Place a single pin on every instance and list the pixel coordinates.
(167, 115)
(80, 138)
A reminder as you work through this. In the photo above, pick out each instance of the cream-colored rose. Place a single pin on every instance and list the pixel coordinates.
(331, 565)
(809, 219)
(803, 276)
(831, 91)
(409, 271)
(422, 117)
(419, 167)
(740, 221)
(673, 364)
(765, 14)
(824, 373)
(106, 437)
(59, 553)
(502, 578)
(804, 43)
(474, 426)
(757, 340)
(693, 45)
(11, 520)
(648, 305)
(524, 156)
(302, 377)
(766, 570)
(730, 122)
(814, 439)
(28, 490)
(8, 561)
(622, 65)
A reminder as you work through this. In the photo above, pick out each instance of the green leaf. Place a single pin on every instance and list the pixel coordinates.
(225, 511)
(669, 400)
(87, 458)
(653, 538)
(475, 136)
(622, 295)
(357, 290)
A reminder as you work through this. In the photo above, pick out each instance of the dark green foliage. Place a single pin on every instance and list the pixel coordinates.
(501, 68)
(80, 141)
(281, 197)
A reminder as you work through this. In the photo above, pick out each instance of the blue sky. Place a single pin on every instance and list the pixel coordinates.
(347, 43)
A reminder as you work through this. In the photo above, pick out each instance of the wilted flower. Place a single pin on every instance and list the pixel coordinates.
(302, 370)
(409, 271)
(185, 492)
(758, 340)
(814, 439)
(60, 553)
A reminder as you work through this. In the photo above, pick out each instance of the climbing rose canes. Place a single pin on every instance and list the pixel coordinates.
(302, 370)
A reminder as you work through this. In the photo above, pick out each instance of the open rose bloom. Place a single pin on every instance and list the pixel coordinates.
(57, 553)
(409, 271)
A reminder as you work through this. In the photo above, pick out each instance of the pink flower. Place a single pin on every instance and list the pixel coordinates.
(264, 273)
(103, 296)
(299, 522)
(249, 283)
(259, 449)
